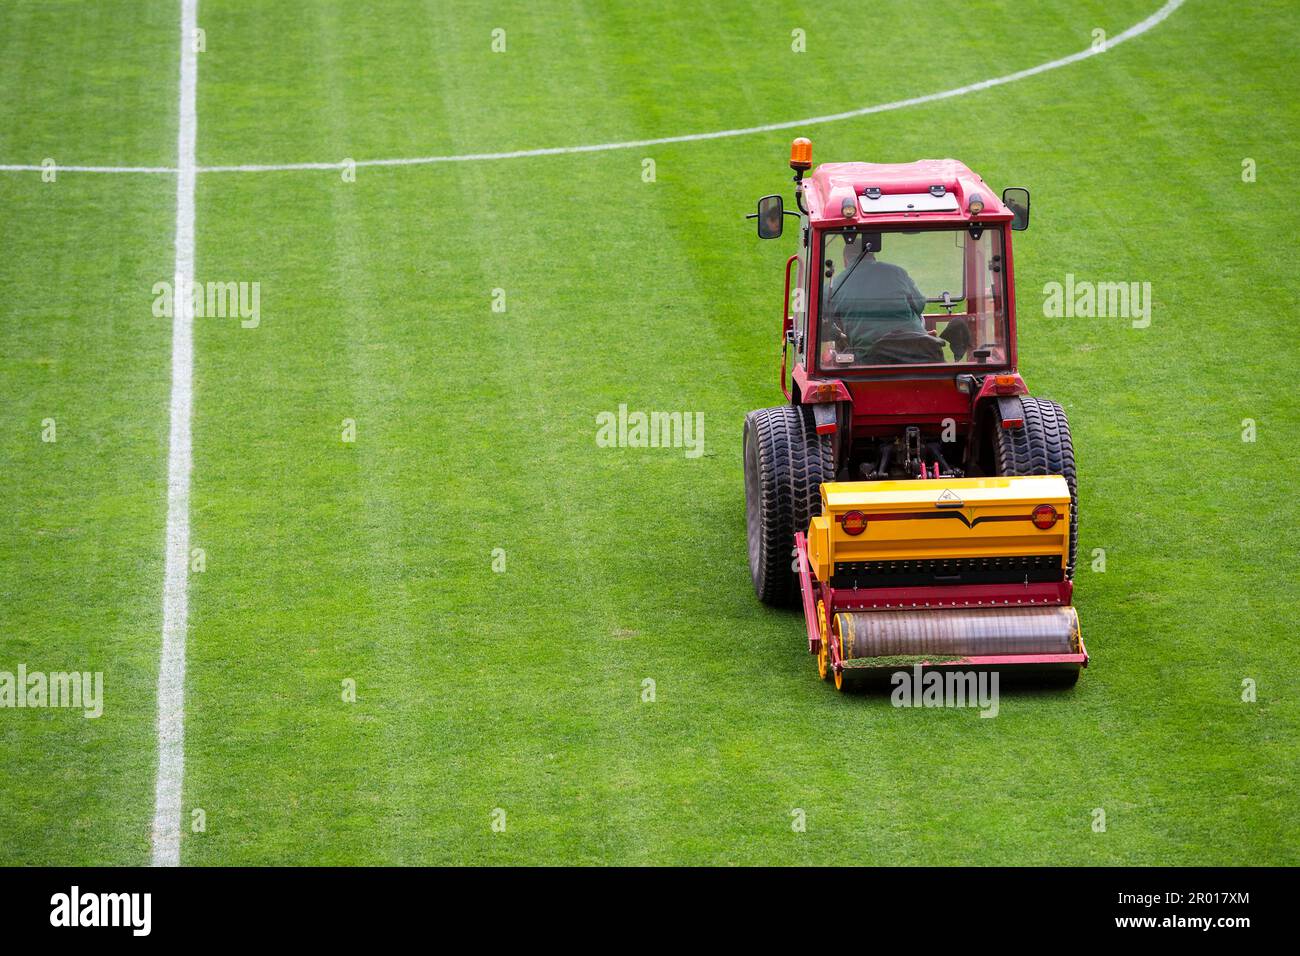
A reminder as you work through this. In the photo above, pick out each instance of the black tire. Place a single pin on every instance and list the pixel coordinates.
(1042, 447)
(786, 462)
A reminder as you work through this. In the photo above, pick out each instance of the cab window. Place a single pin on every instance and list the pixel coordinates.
(912, 297)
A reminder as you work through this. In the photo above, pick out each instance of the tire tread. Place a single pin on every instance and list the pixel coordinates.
(792, 461)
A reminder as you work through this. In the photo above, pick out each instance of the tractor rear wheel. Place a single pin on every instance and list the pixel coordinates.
(786, 462)
(1042, 447)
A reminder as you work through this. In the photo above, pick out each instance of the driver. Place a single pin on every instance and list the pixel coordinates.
(870, 298)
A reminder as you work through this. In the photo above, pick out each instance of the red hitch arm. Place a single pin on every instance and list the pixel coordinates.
(806, 590)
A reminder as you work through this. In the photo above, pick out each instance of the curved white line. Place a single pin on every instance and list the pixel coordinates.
(1136, 30)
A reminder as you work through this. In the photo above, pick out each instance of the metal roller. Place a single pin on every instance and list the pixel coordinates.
(959, 633)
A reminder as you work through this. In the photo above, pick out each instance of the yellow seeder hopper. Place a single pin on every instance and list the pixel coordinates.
(966, 571)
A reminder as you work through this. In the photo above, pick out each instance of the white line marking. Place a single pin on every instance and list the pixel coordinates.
(1136, 30)
(171, 668)
(28, 168)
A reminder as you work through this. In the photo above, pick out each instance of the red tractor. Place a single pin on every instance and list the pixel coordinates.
(910, 494)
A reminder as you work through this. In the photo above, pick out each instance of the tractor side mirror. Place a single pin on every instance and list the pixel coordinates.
(1017, 200)
(771, 217)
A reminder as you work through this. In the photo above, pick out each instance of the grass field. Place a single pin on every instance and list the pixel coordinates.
(519, 688)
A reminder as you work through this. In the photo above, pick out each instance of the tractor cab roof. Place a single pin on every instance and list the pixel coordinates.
(910, 194)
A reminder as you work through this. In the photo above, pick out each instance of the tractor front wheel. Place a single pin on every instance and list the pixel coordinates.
(786, 462)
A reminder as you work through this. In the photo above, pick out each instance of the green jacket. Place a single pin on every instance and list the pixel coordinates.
(872, 298)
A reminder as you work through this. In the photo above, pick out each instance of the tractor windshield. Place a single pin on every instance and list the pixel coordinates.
(912, 297)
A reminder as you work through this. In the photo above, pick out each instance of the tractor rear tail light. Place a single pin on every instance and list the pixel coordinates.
(854, 522)
(1006, 384)
(1045, 517)
(821, 392)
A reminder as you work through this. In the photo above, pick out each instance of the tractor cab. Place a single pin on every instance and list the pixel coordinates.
(902, 279)
(899, 265)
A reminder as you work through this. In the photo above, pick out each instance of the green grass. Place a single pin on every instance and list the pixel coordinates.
(81, 527)
(372, 561)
